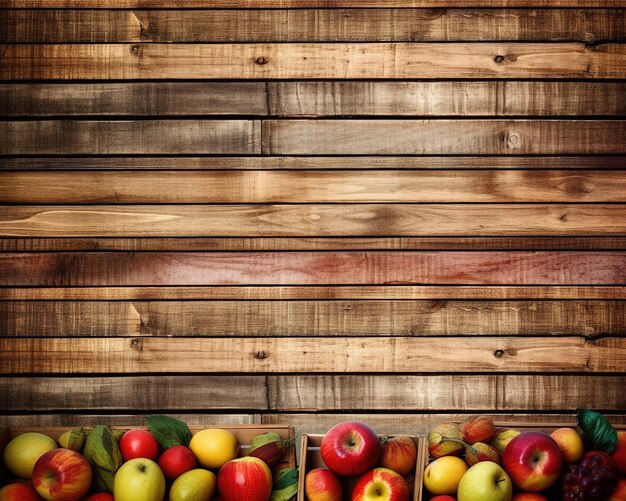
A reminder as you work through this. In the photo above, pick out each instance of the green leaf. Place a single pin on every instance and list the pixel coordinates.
(285, 484)
(169, 431)
(597, 432)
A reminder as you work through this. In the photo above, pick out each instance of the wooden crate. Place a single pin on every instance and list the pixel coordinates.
(310, 458)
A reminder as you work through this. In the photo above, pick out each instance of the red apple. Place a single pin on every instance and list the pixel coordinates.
(321, 484)
(350, 448)
(245, 479)
(399, 454)
(619, 493)
(529, 496)
(62, 475)
(443, 498)
(177, 460)
(19, 491)
(477, 429)
(619, 454)
(139, 443)
(533, 460)
(381, 484)
(101, 496)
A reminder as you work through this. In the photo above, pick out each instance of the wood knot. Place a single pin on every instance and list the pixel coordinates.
(261, 60)
(136, 344)
(498, 353)
(513, 141)
(136, 50)
(260, 355)
(499, 59)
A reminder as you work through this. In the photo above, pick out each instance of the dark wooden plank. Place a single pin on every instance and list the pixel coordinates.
(65, 137)
(131, 393)
(310, 163)
(411, 60)
(427, 186)
(129, 418)
(444, 137)
(286, 293)
(311, 25)
(310, 355)
(313, 268)
(310, 318)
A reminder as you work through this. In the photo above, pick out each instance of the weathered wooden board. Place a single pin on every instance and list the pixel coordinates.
(428, 186)
(310, 318)
(80, 137)
(294, 354)
(132, 417)
(311, 25)
(442, 137)
(310, 163)
(313, 268)
(402, 60)
(330, 220)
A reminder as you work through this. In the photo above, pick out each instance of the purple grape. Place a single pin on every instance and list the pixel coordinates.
(590, 480)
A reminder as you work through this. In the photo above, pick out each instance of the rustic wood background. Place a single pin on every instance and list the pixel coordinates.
(298, 211)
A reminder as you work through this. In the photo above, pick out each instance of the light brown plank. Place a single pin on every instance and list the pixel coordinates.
(313, 268)
(270, 355)
(130, 393)
(286, 293)
(439, 392)
(311, 25)
(72, 420)
(310, 318)
(141, 187)
(445, 137)
(411, 60)
(312, 163)
(356, 220)
(63, 137)
(135, 99)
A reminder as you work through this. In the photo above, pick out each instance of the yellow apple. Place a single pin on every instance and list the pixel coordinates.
(443, 475)
(21, 453)
(214, 447)
(570, 442)
(194, 485)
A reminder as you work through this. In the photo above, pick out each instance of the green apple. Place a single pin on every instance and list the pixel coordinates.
(485, 481)
(139, 479)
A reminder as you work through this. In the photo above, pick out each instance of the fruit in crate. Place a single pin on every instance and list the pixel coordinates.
(268, 447)
(138, 443)
(533, 460)
(101, 496)
(321, 484)
(570, 442)
(438, 446)
(480, 451)
(619, 493)
(443, 498)
(177, 460)
(139, 479)
(245, 479)
(529, 496)
(399, 454)
(443, 475)
(381, 484)
(62, 475)
(485, 481)
(350, 448)
(214, 447)
(619, 454)
(23, 451)
(502, 438)
(477, 429)
(19, 491)
(193, 485)
(593, 479)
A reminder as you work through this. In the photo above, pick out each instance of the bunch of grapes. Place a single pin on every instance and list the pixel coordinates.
(593, 479)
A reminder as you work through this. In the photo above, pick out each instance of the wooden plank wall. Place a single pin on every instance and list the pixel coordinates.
(299, 211)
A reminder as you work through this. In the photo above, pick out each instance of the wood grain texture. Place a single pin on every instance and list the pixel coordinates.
(286, 293)
(312, 163)
(310, 318)
(292, 354)
(65, 137)
(400, 60)
(443, 137)
(310, 25)
(430, 186)
(330, 220)
(313, 268)
(132, 393)
(134, 417)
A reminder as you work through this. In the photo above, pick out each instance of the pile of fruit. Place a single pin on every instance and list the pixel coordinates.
(475, 461)
(162, 462)
(376, 468)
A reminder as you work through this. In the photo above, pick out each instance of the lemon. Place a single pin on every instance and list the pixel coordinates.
(21, 453)
(214, 447)
(193, 485)
(443, 475)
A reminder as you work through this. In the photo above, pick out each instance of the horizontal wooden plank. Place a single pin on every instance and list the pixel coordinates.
(411, 60)
(444, 137)
(427, 186)
(132, 418)
(294, 354)
(310, 25)
(313, 268)
(64, 137)
(439, 392)
(286, 293)
(330, 220)
(310, 318)
(130, 393)
(312, 163)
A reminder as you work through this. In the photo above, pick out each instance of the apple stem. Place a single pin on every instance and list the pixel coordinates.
(455, 440)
